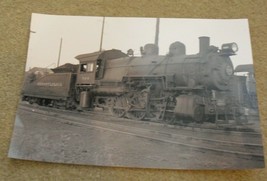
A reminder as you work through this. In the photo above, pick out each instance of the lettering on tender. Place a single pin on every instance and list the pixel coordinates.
(50, 84)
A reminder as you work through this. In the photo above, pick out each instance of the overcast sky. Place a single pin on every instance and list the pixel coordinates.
(81, 34)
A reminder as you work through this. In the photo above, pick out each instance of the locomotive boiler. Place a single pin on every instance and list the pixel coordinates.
(154, 87)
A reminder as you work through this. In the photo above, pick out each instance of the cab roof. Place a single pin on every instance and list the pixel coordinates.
(104, 55)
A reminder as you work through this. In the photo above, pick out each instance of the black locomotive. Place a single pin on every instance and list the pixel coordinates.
(150, 87)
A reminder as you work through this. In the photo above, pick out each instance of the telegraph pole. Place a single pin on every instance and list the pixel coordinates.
(157, 33)
(102, 33)
(59, 53)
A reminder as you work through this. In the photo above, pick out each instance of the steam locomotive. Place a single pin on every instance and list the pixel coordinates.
(149, 87)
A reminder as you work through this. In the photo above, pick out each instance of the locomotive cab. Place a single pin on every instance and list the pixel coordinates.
(92, 66)
(86, 73)
(91, 72)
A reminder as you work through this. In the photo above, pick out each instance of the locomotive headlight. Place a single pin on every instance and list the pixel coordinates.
(234, 47)
(230, 47)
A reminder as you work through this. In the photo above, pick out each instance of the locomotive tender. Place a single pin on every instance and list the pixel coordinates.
(152, 87)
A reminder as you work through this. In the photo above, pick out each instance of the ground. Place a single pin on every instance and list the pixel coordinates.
(41, 138)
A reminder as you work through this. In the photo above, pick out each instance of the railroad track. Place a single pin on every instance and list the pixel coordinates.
(233, 129)
(245, 150)
(104, 116)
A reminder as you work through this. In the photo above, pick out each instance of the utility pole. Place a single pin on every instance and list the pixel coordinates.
(157, 33)
(102, 33)
(59, 53)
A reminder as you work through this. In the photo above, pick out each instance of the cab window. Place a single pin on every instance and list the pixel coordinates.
(87, 67)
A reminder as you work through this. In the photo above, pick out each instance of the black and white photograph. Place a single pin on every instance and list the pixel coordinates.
(138, 92)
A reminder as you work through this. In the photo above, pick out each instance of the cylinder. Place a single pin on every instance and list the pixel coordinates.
(84, 99)
(204, 43)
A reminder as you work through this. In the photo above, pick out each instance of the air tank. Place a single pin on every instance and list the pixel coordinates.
(85, 99)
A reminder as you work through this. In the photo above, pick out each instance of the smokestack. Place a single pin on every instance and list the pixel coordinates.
(204, 43)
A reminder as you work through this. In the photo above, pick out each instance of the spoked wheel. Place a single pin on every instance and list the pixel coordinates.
(119, 106)
(118, 112)
(138, 105)
(139, 115)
